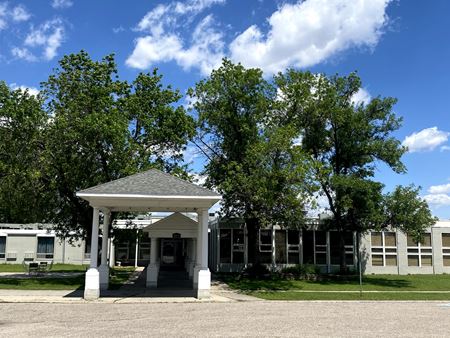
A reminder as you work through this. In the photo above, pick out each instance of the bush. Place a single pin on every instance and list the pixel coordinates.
(307, 272)
(257, 271)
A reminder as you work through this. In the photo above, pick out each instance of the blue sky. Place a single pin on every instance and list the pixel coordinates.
(400, 48)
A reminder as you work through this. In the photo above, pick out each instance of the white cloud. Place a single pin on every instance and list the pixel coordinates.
(60, 4)
(15, 14)
(119, 29)
(437, 200)
(163, 43)
(425, 140)
(309, 32)
(23, 53)
(20, 13)
(48, 35)
(445, 148)
(439, 189)
(31, 90)
(362, 96)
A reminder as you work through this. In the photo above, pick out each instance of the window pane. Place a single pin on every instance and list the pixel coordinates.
(321, 258)
(238, 257)
(349, 259)
(391, 260)
(410, 241)
(348, 238)
(280, 246)
(293, 258)
(426, 260)
(377, 249)
(391, 250)
(446, 240)
(426, 250)
(377, 260)
(225, 245)
(238, 238)
(334, 248)
(266, 237)
(446, 260)
(293, 237)
(413, 260)
(389, 239)
(426, 241)
(2, 246)
(321, 238)
(376, 239)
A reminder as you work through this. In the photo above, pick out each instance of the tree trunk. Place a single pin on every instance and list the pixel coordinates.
(253, 241)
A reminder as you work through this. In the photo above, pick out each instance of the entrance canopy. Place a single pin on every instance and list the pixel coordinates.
(176, 223)
(151, 190)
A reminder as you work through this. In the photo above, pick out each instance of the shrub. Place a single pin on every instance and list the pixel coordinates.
(307, 272)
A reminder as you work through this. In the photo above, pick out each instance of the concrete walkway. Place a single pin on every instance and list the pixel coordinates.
(133, 291)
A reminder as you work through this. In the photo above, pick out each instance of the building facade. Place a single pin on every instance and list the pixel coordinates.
(387, 252)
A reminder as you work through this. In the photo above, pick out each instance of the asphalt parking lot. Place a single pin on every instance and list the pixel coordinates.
(249, 319)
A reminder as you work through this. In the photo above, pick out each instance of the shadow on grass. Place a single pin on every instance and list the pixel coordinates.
(42, 283)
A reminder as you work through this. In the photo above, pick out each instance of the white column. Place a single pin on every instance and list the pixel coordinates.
(198, 252)
(274, 262)
(112, 254)
(104, 268)
(203, 284)
(153, 267)
(136, 251)
(92, 281)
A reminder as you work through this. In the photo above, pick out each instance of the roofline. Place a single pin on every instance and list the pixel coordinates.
(216, 197)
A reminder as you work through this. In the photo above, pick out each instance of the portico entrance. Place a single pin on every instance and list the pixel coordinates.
(153, 191)
(172, 253)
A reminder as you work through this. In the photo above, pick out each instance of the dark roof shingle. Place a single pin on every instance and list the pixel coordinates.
(150, 182)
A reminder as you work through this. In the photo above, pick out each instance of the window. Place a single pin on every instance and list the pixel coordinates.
(335, 251)
(293, 244)
(144, 248)
(45, 247)
(232, 246)
(384, 248)
(320, 243)
(265, 240)
(308, 247)
(445, 249)
(2, 247)
(420, 254)
(238, 246)
(225, 245)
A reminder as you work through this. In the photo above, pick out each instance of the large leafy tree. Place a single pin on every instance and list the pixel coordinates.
(251, 159)
(103, 128)
(23, 197)
(345, 141)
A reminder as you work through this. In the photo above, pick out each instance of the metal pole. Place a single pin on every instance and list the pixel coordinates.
(136, 249)
(359, 264)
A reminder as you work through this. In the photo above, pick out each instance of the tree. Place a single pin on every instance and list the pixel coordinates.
(251, 160)
(345, 141)
(103, 128)
(23, 197)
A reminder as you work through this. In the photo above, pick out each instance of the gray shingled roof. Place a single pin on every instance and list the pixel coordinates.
(151, 182)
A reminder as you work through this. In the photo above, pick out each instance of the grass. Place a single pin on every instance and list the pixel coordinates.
(119, 275)
(56, 268)
(43, 283)
(350, 296)
(389, 287)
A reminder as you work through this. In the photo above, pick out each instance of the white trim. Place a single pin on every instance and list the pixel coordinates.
(174, 197)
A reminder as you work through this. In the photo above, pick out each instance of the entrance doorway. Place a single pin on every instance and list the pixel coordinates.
(172, 253)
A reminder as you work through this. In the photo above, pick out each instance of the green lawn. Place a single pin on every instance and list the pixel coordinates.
(392, 287)
(43, 283)
(349, 296)
(119, 275)
(55, 268)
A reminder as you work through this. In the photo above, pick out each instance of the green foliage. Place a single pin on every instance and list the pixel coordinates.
(23, 196)
(87, 127)
(300, 271)
(252, 161)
